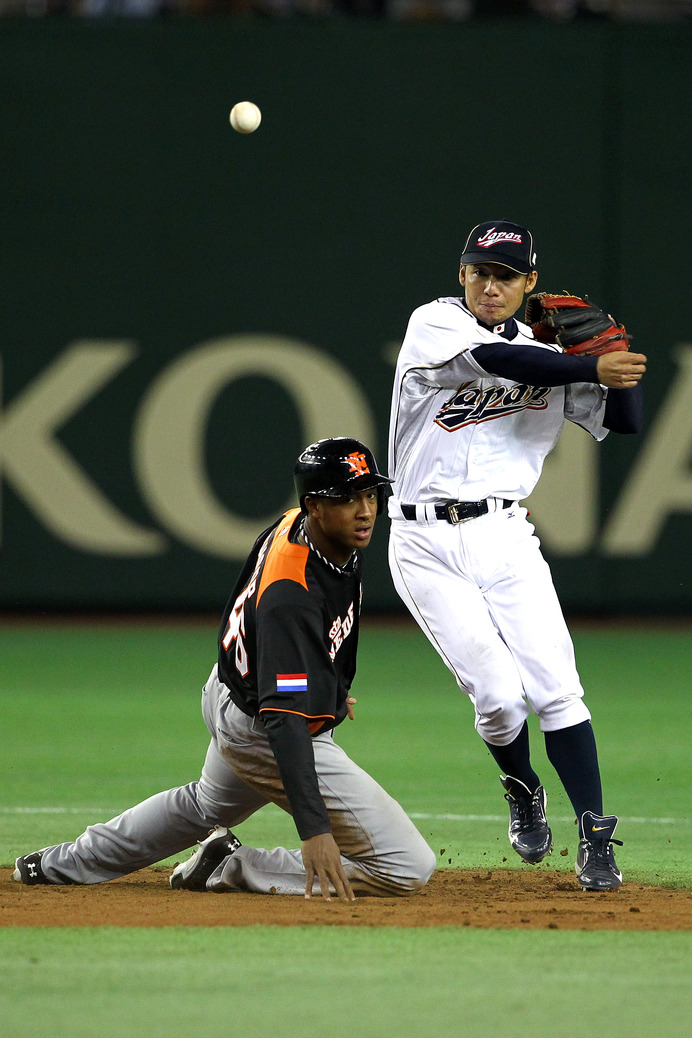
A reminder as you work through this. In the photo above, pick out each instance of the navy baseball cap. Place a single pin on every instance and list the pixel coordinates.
(499, 241)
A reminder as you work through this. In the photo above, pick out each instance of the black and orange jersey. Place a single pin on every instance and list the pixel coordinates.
(287, 652)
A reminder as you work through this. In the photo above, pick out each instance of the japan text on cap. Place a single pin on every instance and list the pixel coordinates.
(500, 241)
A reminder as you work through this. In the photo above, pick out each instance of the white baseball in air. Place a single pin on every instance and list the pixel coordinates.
(245, 117)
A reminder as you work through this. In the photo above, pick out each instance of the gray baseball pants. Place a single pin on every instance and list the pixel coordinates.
(382, 851)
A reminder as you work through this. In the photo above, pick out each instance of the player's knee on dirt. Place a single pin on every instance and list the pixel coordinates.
(421, 864)
(427, 865)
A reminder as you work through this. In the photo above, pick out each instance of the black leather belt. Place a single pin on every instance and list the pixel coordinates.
(456, 511)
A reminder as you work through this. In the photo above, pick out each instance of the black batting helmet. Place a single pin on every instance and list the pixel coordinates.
(337, 467)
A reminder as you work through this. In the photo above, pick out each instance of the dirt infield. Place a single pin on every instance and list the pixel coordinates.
(522, 899)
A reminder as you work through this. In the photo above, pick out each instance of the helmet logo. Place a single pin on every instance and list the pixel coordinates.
(358, 464)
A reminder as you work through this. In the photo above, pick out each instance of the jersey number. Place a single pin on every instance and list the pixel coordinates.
(236, 633)
(236, 618)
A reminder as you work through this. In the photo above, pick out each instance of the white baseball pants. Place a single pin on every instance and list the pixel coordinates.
(483, 594)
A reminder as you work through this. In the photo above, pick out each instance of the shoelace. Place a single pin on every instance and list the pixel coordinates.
(601, 858)
(530, 811)
(601, 847)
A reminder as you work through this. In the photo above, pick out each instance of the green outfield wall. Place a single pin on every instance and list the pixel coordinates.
(183, 307)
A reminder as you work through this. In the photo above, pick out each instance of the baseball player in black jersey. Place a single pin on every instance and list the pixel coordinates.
(281, 685)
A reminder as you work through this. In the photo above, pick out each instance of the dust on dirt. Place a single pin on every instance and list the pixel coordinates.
(522, 899)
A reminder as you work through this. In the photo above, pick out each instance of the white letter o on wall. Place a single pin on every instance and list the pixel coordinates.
(170, 429)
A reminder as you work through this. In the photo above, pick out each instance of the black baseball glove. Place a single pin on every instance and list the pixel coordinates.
(575, 324)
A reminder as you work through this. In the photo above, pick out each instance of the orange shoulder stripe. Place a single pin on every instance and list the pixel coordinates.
(284, 561)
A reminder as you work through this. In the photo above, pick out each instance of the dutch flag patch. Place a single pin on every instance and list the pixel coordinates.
(291, 682)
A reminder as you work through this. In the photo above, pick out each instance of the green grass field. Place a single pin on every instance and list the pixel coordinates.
(97, 717)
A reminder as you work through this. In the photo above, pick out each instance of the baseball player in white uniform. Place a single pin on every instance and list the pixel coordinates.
(477, 405)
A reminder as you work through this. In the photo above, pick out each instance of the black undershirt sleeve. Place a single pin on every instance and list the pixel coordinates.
(624, 410)
(534, 366)
(624, 407)
(291, 744)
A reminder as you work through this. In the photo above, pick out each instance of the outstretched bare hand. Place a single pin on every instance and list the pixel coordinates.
(322, 860)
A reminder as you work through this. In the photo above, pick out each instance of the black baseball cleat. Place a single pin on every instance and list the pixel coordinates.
(194, 873)
(27, 869)
(596, 868)
(529, 833)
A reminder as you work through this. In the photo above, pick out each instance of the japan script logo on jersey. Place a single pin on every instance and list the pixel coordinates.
(495, 237)
(472, 404)
(358, 463)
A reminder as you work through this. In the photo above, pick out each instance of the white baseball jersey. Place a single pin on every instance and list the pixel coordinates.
(481, 590)
(458, 433)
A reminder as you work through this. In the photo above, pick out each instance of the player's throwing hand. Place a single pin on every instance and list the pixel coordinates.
(621, 370)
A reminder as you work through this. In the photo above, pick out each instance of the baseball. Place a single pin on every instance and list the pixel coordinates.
(245, 117)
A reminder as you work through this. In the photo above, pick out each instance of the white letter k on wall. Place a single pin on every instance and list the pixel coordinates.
(42, 471)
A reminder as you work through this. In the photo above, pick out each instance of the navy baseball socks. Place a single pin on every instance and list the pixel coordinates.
(529, 833)
(194, 873)
(572, 752)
